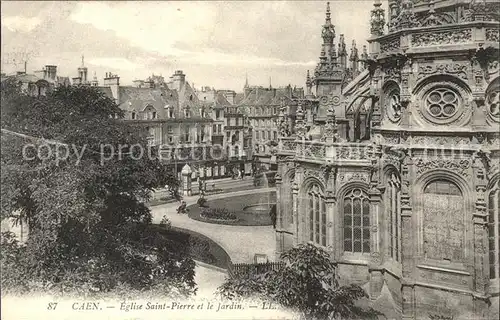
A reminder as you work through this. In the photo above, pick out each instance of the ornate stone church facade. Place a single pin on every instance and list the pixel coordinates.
(392, 160)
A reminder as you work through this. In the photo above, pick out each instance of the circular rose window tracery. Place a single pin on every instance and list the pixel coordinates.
(442, 103)
(393, 106)
(493, 103)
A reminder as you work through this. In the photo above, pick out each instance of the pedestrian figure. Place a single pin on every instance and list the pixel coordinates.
(182, 208)
(272, 213)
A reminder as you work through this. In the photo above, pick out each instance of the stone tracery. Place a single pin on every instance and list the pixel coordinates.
(433, 88)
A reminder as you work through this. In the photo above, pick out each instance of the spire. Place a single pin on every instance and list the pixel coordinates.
(342, 47)
(270, 84)
(354, 52)
(377, 20)
(246, 80)
(328, 32)
(328, 20)
(83, 59)
(308, 83)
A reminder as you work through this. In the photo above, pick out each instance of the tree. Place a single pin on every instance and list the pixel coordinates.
(305, 284)
(83, 200)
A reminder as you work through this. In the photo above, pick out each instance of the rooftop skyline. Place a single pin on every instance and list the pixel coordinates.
(215, 43)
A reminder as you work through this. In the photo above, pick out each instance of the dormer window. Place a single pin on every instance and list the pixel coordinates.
(191, 98)
(187, 113)
(134, 116)
(154, 115)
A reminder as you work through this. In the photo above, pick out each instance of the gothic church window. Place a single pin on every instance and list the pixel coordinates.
(393, 209)
(493, 232)
(443, 221)
(316, 209)
(356, 233)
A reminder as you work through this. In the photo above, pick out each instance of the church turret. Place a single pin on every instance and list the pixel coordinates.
(94, 82)
(308, 84)
(328, 34)
(82, 72)
(377, 20)
(354, 58)
(342, 52)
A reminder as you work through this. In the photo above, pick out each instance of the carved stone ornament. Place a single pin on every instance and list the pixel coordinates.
(456, 69)
(390, 45)
(393, 106)
(377, 20)
(335, 100)
(492, 35)
(426, 140)
(459, 166)
(316, 173)
(440, 38)
(345, 177)
(391, 138)
(433, 18)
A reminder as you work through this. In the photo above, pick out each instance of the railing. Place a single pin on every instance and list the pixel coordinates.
(255, 268)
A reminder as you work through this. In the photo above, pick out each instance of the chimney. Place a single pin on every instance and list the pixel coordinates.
(178, 79)
(230, 95)
(113, 82)
(51, 72)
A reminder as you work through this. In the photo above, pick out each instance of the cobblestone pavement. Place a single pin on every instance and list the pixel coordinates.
(240, 242)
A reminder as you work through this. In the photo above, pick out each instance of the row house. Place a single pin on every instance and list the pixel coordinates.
(40, 83)
(175, 119)
(264, 105)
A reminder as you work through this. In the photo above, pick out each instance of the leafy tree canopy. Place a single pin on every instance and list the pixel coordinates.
(83, 203)
(306, 284)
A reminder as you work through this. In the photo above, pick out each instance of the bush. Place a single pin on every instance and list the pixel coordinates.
(200, 250)
(217, 214)
(202, 202)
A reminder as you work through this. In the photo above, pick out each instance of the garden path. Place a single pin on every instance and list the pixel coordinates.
(240, 242)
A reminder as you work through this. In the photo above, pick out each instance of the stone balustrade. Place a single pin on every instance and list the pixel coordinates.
(315, 151)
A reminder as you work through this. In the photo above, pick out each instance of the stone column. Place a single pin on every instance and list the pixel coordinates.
(295, 201)
(408, 240)
(279, 217)
(480, 238)
(186, 180)
(375, 265)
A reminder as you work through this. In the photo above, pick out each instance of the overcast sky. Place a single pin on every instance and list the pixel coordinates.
(214, 43)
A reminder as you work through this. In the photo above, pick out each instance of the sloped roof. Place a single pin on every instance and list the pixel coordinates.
(106, 91)
(25, 78)
(137, 99)
(221, 100)
(238, 98)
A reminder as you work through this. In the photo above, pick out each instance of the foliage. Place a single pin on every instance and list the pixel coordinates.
(217, 214)
(200, 249)
(165, 222)
(305, 284)
(196, 245)
(202, 202)
(86, 213)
